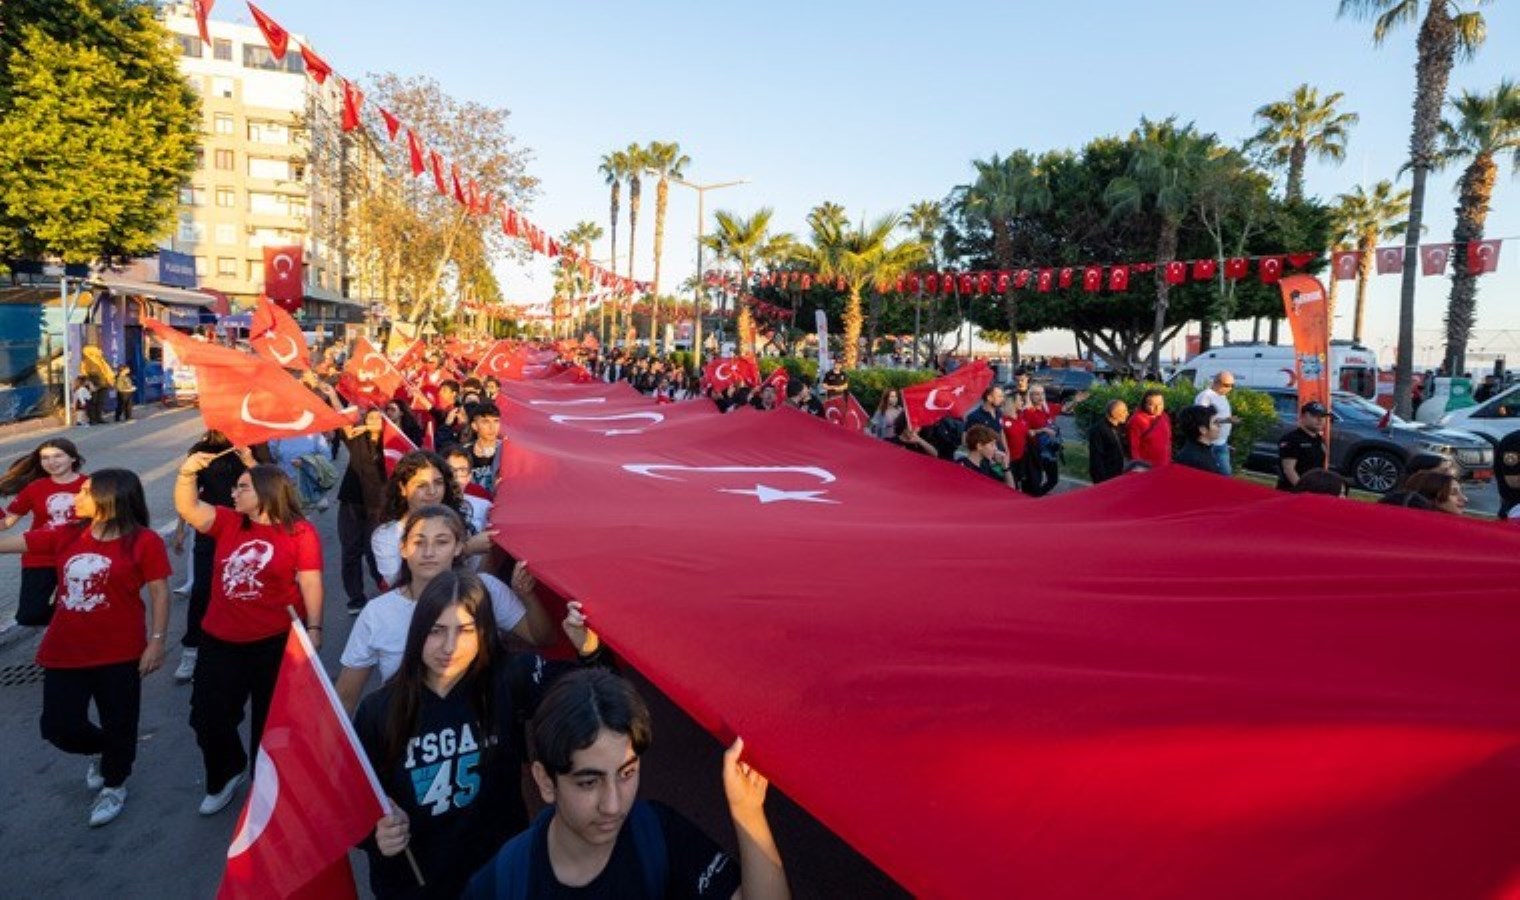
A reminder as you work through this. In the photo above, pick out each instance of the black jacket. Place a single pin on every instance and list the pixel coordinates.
(363, 481)
(1105, 451)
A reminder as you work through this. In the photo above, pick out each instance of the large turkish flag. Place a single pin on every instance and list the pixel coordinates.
(1172, 685)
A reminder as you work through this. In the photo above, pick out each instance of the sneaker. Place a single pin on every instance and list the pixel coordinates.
(108, 805)
(92, 777)
(355, 607)
(186, 670)
(215, 803)
(322, 505)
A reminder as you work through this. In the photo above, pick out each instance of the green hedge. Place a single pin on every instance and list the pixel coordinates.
(866, 384)
(1253, 407)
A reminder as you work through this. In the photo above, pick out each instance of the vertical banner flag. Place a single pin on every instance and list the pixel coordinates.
(353, 99)
(274, 335)
(202, 13)
(278, 38)
(316, 66)
(821, 319)
(314, 794)
(1304, 306)
(283, 276)
(950, 395)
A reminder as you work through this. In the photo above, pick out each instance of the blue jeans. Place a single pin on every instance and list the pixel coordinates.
(1222, 458)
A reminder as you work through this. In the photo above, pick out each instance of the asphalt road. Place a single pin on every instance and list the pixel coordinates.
(160, 846)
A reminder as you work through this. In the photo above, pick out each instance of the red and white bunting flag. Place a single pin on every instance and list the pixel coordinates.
(392, 124)
(1390, 260)
(437, 161)
(314, 795)
(1344, 264)
(949, 395)
(847, 412)
(1433, 258)
(1066, 276)
(1046, 280)
(414, 149)
(1118, 278)
(1270, 269)
(1299, 260)
(316, 66)
(1092, 278)
(246, 398)
(278, 38)
(1236, 268)
(275, 336)
(1483, 256)
(1175, 272)
(202, 14)
(353, 99)
(1204, 269)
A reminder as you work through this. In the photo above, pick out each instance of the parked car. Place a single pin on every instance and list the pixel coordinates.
(1493, 419)
(1370, 446)
(1061, 385)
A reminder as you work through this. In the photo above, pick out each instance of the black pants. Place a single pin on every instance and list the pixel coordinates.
(116, 690)
(124, 405)
(354, 530)
(227, 676)
(200, 589)
(35, 605)
(1045, 474)
(96, 409)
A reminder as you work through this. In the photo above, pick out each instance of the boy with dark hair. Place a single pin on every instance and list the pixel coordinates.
(595, 839)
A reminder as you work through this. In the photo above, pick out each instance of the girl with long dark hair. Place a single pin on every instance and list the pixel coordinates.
(43, 484)
(444, 735)
(421, 478)
(96, 650)
(266, 565)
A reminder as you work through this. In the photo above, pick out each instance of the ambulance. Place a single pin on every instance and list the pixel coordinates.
(1353, 367)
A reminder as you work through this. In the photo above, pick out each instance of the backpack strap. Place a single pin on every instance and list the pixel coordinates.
(649, 842)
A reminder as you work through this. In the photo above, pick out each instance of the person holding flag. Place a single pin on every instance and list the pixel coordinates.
(442, 736)
(361, 497)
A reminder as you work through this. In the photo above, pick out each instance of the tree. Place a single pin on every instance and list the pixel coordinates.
(1004, 190)
(926, 219)
(638, 161)
(1162, 178)
(581, 237)
(1485, 126)
(1364, 218)
(1445, 32)
(745, 242)
(614, 169)
(98, 129)
(1233, 206)
(1295, 128)
(862, 257)
(667, 161)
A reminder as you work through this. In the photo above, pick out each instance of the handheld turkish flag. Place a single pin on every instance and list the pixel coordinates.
(316, 66)
(777, 381)
(394, 444)
(722, 372)
(314, 794)
(278, 38)
(369, 366)
(951, 395)
(846, 411)
(1344, 264)
(1390, 260)
(202, 13)
(283, 276)
(1483, 257)
(275, 336)
(246, 398)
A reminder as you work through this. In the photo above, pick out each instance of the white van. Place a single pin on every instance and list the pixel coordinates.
(1353, 367)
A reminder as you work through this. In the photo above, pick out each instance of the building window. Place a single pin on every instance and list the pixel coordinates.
(189, 45)
(226, 267)
(255, 270)
(256, 57)
(223, 123)
(192, 195)
(221, 87)
(226, 197)
(226, 235)
(268, 133)
(269, 169)
(200, 157)
(298, 207)
(190, 231)
(201, 270)
(224, 160)
(221, 49)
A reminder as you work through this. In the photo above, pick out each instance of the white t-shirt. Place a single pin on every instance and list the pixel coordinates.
(480, 513)
(379, 635)
(385, 546)
(1207, 397)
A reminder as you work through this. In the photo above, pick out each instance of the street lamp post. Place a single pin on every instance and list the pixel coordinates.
(696, 331)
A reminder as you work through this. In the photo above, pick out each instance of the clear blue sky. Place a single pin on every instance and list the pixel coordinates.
(877, 105)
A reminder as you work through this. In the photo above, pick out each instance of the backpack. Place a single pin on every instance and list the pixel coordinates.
(507, 873)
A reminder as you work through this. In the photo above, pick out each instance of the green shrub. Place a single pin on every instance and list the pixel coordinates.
(1254, 408)
(866, 384)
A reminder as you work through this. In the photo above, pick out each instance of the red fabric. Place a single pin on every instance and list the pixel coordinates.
(1270, 269)
(777, 380)
(246, 398)
(1150, 438)
(724, 371)
(1046, 279)
(277, 337)
(1037, 418)
(202, 14)
(458, 191)
(353, 101)
(98, 613)
(278, 38)
(1175, 272)
(1236, 268)
(1064, 278)
(1483, 256)
(51, 505)
(1299, 260)
(394, 444)
(949, 395)
(1092, 278)
(414, 152)
(284, 276)
(411, 354)
(1004, 282)
(1015, 437)
(1251, 695)
(373, 370)
(316, 66)
(847, 412)
(392, 124)
(1021, 278)
(1204, 269)
(437, 161)
(1390, 260)
(1433, 258)
(253, 576)
(313, 796)
(1344, 264)
(1118, 278)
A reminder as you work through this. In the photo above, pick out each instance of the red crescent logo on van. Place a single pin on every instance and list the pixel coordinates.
(1292, 377)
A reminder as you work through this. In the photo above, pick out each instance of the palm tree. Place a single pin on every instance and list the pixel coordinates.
(1161, 179)
(1485, 126)
(637, 163)
(667, 161)
(1295, 128)
(1365, 218)
(581, 237)
(1004, 190)
(745, 242)
(926, 219)
(1445, 32)
(863, 257)
(614, 168)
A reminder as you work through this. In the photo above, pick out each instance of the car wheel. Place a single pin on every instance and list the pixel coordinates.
(1376, 471)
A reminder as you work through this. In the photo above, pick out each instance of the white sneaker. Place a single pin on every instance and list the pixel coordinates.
(108, 805)
(186, 670)
(92, 778)
(215, 803)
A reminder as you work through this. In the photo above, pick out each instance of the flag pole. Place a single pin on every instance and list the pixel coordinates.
(348, 730)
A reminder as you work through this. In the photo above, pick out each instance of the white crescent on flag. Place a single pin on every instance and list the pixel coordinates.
(929, 400)
(302, 421)
(284, 258)
(261, 803)
(652, 470)
(651, 418)
(381, 364)
(582, 402)
(282, 358)
(718, 373)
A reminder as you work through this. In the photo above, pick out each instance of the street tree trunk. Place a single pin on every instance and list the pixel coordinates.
(1476, 190)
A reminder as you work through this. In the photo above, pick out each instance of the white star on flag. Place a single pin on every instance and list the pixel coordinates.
(768, 494)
